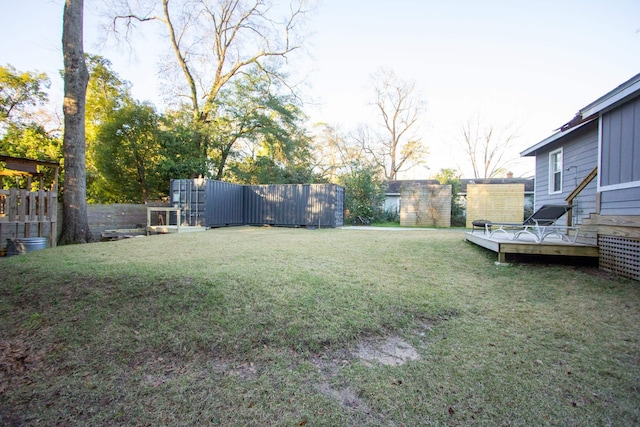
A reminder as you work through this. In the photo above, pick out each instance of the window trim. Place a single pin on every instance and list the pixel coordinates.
(552, 172)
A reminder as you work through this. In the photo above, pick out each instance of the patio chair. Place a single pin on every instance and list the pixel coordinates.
(539, 225)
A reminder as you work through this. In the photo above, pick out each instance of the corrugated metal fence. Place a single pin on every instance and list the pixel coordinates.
(216, 204)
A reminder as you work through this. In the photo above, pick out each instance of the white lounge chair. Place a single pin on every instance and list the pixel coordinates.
(539, 225)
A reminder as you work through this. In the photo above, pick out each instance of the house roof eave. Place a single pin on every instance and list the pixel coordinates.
(585, 115)
(531, 151)
(610, 99)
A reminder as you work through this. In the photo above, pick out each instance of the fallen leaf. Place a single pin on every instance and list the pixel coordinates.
(451, 411)
(303, 423)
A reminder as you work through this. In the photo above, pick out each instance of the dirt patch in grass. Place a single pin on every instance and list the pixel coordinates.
(20, 359)
(390, 351)
(347, 397)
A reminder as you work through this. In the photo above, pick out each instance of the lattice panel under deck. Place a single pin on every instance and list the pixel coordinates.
(620, 255)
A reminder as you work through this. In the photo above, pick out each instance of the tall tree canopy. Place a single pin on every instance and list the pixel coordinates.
(334, 153)
(107, 93)
(213, 44)
(19, 91)
(128, 155)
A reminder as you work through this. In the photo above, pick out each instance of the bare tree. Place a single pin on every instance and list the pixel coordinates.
(397, 147)
(75, 226)
(215, 41)
(488, 147)
(335, 153)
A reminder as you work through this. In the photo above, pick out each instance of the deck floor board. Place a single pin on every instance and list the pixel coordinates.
(526, 245)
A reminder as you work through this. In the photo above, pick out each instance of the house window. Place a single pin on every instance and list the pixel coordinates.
(555, 171)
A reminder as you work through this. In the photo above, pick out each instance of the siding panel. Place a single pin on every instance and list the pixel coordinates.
(580, 156)
(620, 202)
(626, 144)
(621, 159)
(621, 144)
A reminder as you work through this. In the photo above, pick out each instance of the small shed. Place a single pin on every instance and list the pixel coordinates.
(26, 212)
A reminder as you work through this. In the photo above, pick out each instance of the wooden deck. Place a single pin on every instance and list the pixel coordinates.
(525, 245)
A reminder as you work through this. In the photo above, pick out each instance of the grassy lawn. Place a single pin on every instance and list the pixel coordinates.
(260, 326)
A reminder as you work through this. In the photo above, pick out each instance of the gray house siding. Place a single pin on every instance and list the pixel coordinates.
(579, 157)
(621, 144)
(620, 202)
(620, 161)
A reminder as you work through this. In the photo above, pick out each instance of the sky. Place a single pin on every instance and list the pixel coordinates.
(529, 64)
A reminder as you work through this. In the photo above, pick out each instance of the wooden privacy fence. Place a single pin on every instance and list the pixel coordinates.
(26, 213)
(495, 202)
(425, 205)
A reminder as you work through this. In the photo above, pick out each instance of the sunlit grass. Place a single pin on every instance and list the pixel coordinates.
(252, 326)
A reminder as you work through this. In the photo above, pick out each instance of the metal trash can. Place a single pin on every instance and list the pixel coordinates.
(23, 245)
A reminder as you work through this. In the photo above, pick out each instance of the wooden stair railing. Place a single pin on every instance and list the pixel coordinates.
(587, 179)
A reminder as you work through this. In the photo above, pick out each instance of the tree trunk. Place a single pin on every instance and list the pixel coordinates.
(75, 225)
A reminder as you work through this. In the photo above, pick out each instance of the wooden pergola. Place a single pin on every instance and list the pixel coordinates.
(26, 213)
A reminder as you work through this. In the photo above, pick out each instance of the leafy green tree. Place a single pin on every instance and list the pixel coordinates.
(106, 94)
(179, 144)
(452, 177)
(277, 161)
(364, 193)
(259, 134)
(19, 92)
(31, 141)
(334, 153)
(22, 123)
(128, 154)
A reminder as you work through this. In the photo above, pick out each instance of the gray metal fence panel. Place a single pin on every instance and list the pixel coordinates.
(294, 205)
(217, 204)
(190, 196)
(339, 206)
(225, 204)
